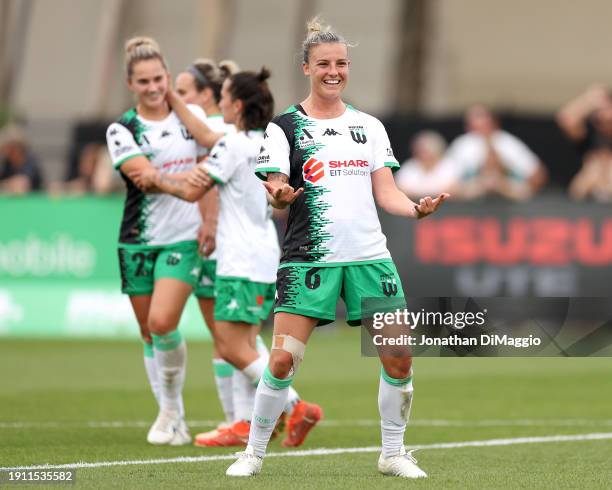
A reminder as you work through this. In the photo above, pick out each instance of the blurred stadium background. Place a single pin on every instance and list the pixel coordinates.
(418, 65)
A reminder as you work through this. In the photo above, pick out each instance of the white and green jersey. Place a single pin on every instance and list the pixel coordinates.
(218, 125)
(247, 243)
(155, 219)
(335, 220)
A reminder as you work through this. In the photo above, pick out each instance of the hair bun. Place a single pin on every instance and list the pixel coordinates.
(133, 44)
(228, 68)
(263, 74)
(314, 25)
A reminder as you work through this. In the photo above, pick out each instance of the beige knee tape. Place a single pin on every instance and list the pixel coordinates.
(291, 345)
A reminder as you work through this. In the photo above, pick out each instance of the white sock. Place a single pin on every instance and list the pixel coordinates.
(171, 359)
(255, 370)
(224, 372)
(244, 396)
(394, 402)
(151, 370)
(292, 396)
(245, 384)
(270, 400)
(292, 399)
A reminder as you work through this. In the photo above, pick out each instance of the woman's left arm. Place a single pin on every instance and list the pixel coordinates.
(394, 201)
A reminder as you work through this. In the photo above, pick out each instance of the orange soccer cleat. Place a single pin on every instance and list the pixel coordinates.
(279, 428)
(303, 418)
(237, 434)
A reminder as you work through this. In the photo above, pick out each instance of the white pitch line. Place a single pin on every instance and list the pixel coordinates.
(324, 452)
(138, 424)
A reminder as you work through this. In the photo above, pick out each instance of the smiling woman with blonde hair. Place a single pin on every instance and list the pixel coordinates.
(325, 159)
(158, 249)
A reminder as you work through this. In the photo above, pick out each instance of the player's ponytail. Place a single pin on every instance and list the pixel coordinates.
(253, 90)
(228, 68)
(319, 34)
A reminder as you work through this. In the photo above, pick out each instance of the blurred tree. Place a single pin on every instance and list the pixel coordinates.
(411, 55)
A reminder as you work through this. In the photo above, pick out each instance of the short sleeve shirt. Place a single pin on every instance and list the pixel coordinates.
(470, 152)
(247, 243)
(155, 219)
(335, 220)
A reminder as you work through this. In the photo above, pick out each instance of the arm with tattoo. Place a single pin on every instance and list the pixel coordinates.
(280, 193)
(178, 186)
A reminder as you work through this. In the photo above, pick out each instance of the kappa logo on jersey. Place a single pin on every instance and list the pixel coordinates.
(390, 152)
(313, 170)
(305, 140)
(388, 284)
(121, 149)
(358, 134)
(113, 132)
(331, 132)
(165, 133)
(186, 134)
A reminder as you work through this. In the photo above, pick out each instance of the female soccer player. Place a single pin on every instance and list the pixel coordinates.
(200, 83)
(247, 254)
(158, 251)
(330, 163)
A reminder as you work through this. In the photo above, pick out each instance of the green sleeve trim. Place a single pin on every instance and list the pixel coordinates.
(394, 166)
(215, 178)
(167, 342)
(222, 369)
(148, 350)
(123, 160)
(393, 381)
(265, 170)
(275, 383)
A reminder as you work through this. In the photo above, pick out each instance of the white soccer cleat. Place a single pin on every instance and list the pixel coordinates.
(403, 465)
(247, 464)
(182, 436)
(169, 428)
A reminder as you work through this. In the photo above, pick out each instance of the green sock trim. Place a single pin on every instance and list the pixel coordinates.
(222, 369)
(276, 383)
(148, 349)
(393, 381)
(167, 342)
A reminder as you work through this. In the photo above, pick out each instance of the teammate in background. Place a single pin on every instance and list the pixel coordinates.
(247, 252)
(330, 163)
(158, 248)
(200, 84)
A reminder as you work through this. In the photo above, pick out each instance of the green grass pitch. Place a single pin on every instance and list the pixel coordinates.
(65, 402)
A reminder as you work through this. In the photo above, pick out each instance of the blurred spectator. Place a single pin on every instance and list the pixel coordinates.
(493, 161)
(94, 173)
(428, 172)
(594, 179)
(19, 167)
(587, 120)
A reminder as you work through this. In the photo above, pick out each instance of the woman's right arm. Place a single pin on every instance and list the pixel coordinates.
(280, 193)
(199, 129)
(148, 179)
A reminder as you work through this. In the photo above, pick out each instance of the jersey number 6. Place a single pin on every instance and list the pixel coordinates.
(313, 280)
